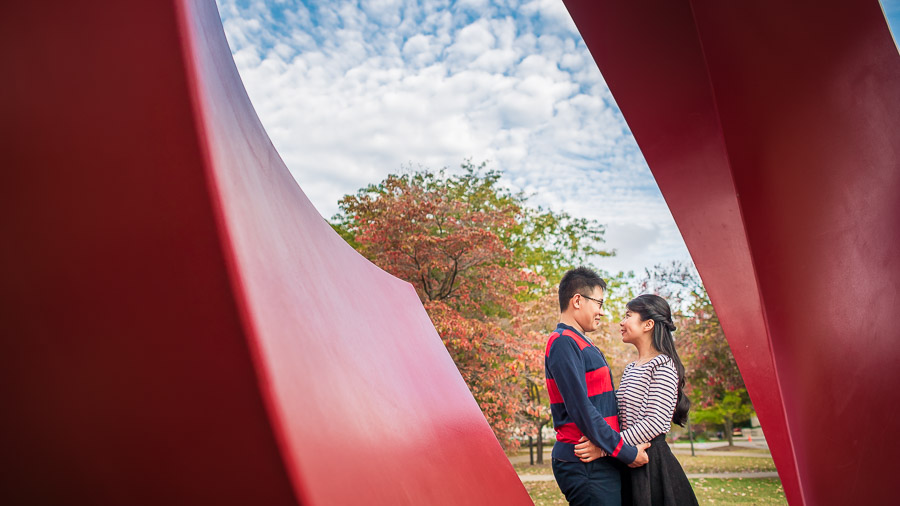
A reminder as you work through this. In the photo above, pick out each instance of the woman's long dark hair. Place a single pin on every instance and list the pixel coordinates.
(654, 307)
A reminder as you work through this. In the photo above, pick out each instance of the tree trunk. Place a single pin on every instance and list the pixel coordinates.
(540, 443)
(690, 434)
(729, 430)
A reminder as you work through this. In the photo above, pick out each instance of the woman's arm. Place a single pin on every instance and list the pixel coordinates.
(657, 415)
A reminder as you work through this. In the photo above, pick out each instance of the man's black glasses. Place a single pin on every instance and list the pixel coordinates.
(598, 301)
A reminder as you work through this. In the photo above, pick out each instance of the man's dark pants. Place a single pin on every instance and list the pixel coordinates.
(597, 483)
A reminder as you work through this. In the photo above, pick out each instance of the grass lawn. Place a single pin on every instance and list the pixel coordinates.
(535, 469)
(708, 491)
(738, 491)
(544, 493)
(720, 464)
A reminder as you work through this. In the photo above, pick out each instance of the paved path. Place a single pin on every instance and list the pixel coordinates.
(759, 444)
(535, 477)
(762, 474)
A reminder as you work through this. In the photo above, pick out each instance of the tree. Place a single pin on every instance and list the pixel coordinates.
(714, 382)
(414, 227)
(477, 256)
(535, 321)
(732, 406)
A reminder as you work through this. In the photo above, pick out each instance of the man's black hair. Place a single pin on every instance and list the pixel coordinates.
(578, 280)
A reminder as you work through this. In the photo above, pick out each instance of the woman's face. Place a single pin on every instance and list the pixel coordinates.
(633, 329)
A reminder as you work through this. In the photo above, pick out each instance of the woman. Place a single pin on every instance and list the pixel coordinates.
(650, 396)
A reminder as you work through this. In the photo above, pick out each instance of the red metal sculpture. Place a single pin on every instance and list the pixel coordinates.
(180, 325)
(772, 130)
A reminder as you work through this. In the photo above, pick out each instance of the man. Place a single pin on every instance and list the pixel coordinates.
(582, 398)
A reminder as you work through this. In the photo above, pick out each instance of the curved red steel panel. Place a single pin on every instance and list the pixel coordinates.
(180, 325)
(771, 128)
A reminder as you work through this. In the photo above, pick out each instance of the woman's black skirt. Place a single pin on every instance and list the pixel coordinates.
(661, 482)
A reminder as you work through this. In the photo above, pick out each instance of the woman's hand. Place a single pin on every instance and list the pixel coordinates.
(588, 451)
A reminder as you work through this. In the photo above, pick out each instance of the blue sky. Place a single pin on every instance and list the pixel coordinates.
(350, 91)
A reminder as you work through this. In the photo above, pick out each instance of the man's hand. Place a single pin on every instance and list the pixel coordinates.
(642, 457)
(588, 451)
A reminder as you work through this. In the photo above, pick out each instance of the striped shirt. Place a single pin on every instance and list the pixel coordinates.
(646, 398)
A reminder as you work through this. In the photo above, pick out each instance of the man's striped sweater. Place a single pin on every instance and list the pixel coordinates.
(582, 399)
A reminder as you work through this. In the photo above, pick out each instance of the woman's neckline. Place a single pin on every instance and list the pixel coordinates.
(638, 363)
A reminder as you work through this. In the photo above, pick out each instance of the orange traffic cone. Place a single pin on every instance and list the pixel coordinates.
(749, 438)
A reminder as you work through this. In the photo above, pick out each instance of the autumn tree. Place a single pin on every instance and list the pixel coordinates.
(714, 382)
(536, 320)
(478, 256)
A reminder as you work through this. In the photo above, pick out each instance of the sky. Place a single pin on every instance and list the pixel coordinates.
(351, 91)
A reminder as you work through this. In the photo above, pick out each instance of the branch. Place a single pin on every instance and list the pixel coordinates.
(446, 289)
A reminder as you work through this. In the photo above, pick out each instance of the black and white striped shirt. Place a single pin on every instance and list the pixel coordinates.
(646, 397)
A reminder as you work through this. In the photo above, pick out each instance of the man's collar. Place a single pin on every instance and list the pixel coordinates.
(573, 329)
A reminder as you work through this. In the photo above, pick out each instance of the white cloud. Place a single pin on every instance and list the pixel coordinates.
(382, 12)
(351, 93)
(474, 39)
(421, 50)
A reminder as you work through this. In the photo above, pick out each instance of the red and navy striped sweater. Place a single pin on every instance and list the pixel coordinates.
(582, 398)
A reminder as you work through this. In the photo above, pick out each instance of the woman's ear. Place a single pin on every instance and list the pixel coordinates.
(649, 323)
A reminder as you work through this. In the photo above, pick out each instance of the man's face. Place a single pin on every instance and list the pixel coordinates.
(589, 309)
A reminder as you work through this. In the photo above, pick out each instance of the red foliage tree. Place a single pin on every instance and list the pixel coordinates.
(475, 254)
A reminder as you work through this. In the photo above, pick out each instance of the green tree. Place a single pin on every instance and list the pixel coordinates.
(732, 406)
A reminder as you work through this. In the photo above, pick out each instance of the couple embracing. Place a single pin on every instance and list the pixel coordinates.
(611, 445)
